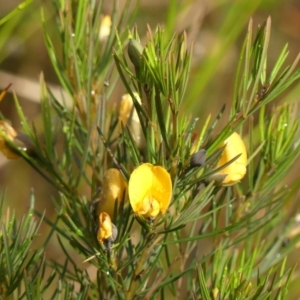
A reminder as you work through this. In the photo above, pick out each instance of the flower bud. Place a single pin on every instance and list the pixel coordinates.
(113, 191)
(150, 190)
(233, 146)
(128, 116)
(135, 52)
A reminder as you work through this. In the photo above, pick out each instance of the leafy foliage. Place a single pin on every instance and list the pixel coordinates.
(213, 242)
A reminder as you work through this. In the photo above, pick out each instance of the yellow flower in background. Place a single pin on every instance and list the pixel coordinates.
(149, 190)
(107, 231)
(113, 189)
(234, 172)
(9, 133)
(105, 27)
(128, 116)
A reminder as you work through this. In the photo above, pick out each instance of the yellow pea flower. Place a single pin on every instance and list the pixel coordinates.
(149, 190)
(107, 231)
(113, 189)
(9, 133)
(234, 172)
(128, 116)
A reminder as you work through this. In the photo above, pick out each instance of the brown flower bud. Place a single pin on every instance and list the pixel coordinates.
(198, 158)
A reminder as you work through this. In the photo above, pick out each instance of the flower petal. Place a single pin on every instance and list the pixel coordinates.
(161, 187)
(139, 187)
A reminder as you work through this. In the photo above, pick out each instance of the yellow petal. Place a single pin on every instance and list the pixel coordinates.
(105, 228)
(139, 188)
(234, 146)
(150, 190)
(113, 189)
(161, 187)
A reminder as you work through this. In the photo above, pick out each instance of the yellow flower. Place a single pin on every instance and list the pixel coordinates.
(128, 116)
(107, 231)
(234, 172)
(105, 27)
(113, 189)
(150, 190)
(9, 133)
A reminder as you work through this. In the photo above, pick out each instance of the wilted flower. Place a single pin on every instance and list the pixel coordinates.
(105, 26)
(107, 231)
(9, 133)
(21, 141)
(114, 188)
(234, 172)
(150, 190)
(128, 116)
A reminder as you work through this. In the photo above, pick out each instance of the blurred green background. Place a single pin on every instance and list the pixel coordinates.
(215, 27)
